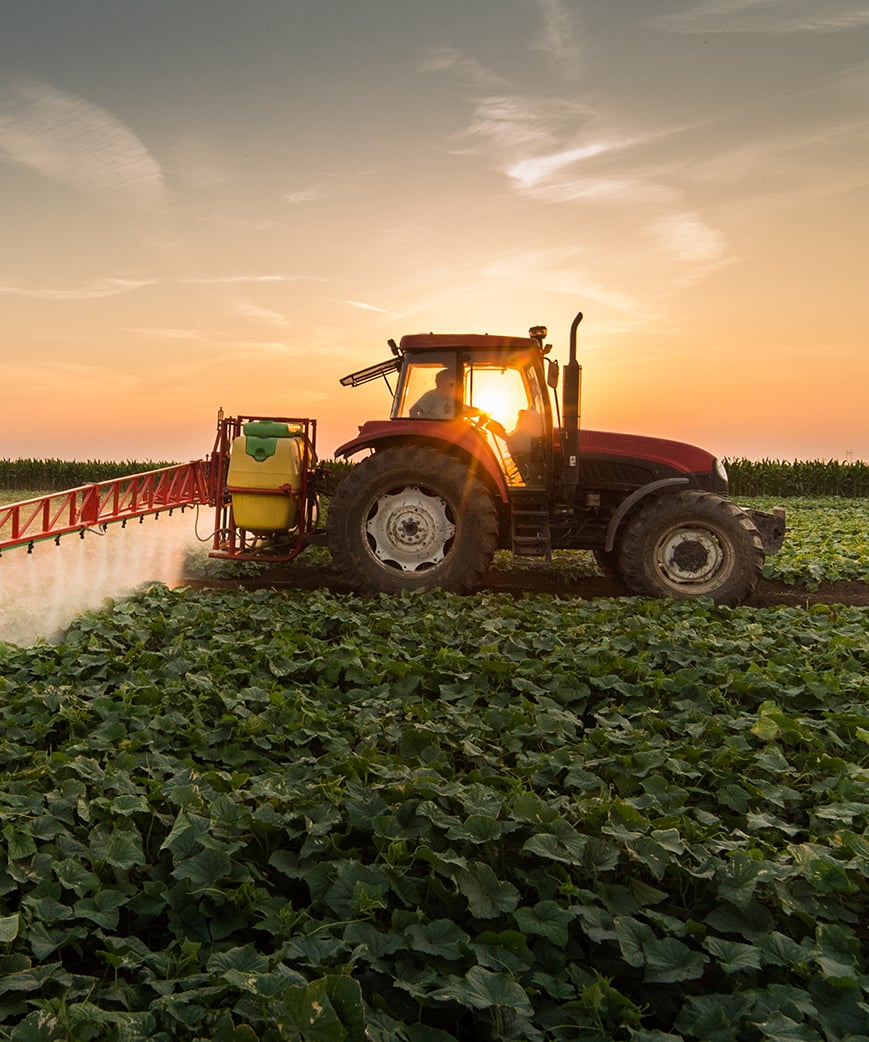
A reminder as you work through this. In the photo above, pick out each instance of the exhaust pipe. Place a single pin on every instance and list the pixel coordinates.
(570, 430)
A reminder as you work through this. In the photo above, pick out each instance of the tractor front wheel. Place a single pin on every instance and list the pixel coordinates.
(691, 544)
(411, 518)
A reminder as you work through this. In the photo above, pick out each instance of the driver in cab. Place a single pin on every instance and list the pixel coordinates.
(442, 402)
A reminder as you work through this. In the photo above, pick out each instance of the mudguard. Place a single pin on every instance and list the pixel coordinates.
(635, 497)
(453, 435)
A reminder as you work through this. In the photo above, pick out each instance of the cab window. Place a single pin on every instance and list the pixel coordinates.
(426, 389)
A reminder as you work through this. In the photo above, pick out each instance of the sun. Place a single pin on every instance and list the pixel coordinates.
(499, 392)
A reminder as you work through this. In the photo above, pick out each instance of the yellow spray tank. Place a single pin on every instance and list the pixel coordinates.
(265, 476)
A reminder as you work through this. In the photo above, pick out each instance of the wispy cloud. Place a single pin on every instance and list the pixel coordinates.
(559, 148)
(224, 220)
(451, 59)
(557, 37)
(791, 156)
(362, 306)
(63, 381)
(556, 270)
(277, 347)
(766, 16)
(687, 237)
(228, 280)
(260, 314)
(560, 177)
(70, 140)
(512, 122)
(104, 288)
(167, 333)
(312, 194)
(530, 172)
(546, 146)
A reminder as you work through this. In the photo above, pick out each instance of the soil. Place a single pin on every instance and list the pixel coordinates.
(299, 576)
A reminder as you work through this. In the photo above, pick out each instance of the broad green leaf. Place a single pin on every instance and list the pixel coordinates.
(45, 940)
(750, 921)
(48, 909)
(546, 919)
(738, 879)
(477, 828)
(124, 849)
(244, 959)
(651, 853)
(9, 925)
(559, 841)
(669, 961)
(503, 950)
(19, 842)
(357, 890)
(130, 804)
(310, 1013)
(482, 989)
(633, 937)
(205, 869)
(39, 1026)
(777, 949)
(345, 995)
(837, 951)
(487, 896)
(326, 1010)
(376, 943)
(442, 937)
(715, 1017)
(782, 1028)
(733, 956)
(103, 908)
(186, 835)
(841, 1007)
(73, 875)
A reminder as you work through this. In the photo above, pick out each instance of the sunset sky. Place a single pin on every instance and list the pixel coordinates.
(222, 203)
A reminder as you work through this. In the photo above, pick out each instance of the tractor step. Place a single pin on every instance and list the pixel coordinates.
(530, 532)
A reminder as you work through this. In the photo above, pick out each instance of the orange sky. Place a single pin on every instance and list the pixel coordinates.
(208, 204)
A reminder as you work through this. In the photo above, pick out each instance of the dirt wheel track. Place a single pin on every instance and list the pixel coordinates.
(298, 576)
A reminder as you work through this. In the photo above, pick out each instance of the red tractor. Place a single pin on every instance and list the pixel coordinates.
(477, 455)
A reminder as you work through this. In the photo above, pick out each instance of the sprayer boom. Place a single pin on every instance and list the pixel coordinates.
(58, 514)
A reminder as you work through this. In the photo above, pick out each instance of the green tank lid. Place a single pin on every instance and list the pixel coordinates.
(268, 429)
(261, 437)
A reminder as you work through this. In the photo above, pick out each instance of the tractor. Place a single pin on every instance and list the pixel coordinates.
(480, 453)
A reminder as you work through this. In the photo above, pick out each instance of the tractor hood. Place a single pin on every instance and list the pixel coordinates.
(675, 455)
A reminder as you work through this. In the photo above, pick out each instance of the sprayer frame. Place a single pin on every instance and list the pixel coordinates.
(229, 540)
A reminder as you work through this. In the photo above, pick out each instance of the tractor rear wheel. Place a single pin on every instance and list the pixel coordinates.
(691, 544)
(411, 518)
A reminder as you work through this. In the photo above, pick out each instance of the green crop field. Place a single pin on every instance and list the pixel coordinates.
(826, 541)
(252, 815)
(243, 816)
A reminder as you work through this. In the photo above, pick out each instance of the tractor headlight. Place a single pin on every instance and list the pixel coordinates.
(721, 470)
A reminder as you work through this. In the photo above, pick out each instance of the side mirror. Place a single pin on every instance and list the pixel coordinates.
(552, 373)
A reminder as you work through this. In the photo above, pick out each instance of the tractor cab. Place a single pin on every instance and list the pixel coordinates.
(495, 385)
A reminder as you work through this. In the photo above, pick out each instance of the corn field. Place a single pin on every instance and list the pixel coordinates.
(56, 475)
(777, 478)
(812, 478)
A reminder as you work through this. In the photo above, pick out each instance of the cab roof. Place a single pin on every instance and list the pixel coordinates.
(467, 341)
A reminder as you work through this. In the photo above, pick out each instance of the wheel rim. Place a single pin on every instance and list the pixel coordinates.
(690, 556)
(410, 530)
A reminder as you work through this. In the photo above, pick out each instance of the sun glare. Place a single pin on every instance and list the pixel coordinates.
(498, 392)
